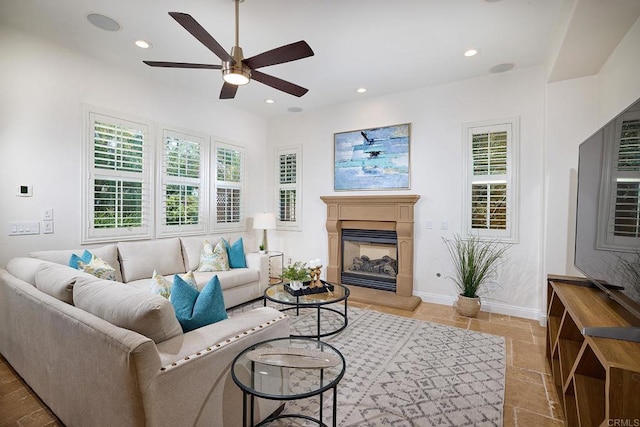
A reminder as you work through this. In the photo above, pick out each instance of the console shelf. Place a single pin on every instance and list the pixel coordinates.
(597, 379)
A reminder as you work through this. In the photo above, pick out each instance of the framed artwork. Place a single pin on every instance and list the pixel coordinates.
(372, 159)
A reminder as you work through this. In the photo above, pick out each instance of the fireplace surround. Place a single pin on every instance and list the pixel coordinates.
(380, 212)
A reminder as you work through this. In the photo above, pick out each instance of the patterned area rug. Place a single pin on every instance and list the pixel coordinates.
(406, 372)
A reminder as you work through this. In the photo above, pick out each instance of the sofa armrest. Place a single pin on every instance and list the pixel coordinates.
(195, 378)
(260, 262)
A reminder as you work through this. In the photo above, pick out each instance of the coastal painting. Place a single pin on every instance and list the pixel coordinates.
(372, 159)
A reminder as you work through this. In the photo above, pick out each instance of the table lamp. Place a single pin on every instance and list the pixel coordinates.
(264, 221)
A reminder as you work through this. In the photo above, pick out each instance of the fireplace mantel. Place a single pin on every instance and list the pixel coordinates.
(374, 213)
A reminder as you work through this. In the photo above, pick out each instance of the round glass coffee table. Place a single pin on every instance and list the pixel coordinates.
(277, 375)
(319, 301)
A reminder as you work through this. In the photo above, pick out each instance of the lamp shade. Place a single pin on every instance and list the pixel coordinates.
(264, 221)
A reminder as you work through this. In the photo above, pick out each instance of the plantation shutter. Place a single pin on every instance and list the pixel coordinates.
(489, 181)
(490, 153)
(288, 188)
(118, 193)
(229, 191)
(182, 196)
(624, 211)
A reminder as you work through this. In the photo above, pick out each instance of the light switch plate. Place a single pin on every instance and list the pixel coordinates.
(47, 227)
(21, 228)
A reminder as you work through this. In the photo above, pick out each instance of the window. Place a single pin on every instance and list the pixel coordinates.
(620, 192)
(117, 185)
(490, 159)
(288, 188)
(182, 191)
(229, 186)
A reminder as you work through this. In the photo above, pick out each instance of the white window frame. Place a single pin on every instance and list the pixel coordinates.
(296, 186)
(91, 234)
(164, 179)
(239, 225)
(605, 237)
(512, 127)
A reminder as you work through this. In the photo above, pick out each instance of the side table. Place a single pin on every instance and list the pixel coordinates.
(275, 267)
(320, 302)
(284, 383)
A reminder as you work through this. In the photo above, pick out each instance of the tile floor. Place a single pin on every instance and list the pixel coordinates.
(530, 398)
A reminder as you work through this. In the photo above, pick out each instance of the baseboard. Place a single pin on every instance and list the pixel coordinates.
(488, 306)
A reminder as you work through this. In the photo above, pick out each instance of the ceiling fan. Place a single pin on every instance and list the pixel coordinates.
(236, 70)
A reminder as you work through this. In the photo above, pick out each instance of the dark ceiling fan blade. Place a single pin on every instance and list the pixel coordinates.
(182, 65)
(279, 55)
(279, 84)
(202, 35)
(228, 91)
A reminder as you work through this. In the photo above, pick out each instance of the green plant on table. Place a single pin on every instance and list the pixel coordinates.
(296, 272)
(475, 262)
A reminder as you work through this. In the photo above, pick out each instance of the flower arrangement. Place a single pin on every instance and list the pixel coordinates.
(296, 272)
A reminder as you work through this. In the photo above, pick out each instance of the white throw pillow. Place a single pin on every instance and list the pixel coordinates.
(213, 258)
(98, 267)
(160, 285)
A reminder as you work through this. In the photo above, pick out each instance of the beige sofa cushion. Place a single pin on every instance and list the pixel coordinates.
(127, 307)
(140, 259)
(24, 268)
(57, 280)
(191, 248)
(108, 253)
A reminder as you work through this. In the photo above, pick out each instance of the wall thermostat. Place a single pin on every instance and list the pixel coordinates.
(25, 190)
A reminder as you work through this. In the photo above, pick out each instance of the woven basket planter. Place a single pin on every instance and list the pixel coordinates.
(468, 307)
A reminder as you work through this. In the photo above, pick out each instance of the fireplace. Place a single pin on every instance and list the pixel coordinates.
(369, 258)
(384, 215)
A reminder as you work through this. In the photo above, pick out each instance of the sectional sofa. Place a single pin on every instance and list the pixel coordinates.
(100, 352)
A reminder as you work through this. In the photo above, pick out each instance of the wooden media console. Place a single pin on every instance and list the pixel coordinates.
(597, 379)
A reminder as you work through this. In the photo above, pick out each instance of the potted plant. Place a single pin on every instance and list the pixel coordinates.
(475, 262)
(262, 251)
(296, 274)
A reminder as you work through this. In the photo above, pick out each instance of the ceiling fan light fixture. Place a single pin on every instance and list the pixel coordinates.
(237, 77)
(236, 73)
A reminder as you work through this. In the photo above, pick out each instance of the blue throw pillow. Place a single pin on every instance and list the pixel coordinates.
(85, 258)
(236, 254)
(196, 309)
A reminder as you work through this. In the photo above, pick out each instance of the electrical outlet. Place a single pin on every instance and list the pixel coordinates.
(429, 224)
(47, 214)
(444, 224)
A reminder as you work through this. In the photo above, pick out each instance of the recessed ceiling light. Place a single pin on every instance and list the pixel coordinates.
(501, 68)
(471, 52)
(269, 101)
(143, 44)
(294, 109)
(103, 22)
(361, 90)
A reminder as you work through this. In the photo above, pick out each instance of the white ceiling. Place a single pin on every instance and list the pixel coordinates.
(384, 45)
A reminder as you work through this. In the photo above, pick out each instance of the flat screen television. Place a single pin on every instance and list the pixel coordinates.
(607, 246)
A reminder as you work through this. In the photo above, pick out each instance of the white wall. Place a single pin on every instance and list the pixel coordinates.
(571, 117)
(619, 78)
(575, 109)
(436, 115)
(43, 87)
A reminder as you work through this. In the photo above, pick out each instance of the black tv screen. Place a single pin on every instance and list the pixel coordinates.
(607, 246)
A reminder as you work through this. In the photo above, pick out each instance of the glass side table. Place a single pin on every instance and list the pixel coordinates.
(319, 301)
(284, 383)
(275, 267)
